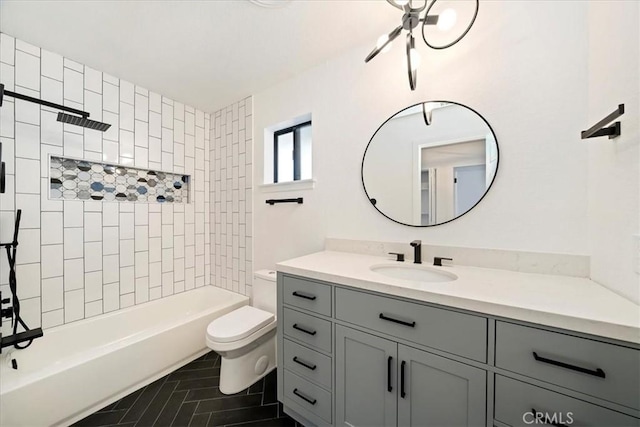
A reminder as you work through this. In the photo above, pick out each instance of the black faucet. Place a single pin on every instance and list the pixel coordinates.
(417, 251)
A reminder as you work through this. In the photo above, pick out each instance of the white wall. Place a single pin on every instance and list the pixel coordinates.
(79, 259)
(523, 67)
(614, 165)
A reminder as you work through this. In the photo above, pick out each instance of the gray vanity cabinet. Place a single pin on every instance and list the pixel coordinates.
(382, 383)
(366, 389)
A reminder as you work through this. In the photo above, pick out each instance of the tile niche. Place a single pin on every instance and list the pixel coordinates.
(72, 179)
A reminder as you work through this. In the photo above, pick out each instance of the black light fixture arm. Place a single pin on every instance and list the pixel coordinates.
(598, 129)
(40, 101)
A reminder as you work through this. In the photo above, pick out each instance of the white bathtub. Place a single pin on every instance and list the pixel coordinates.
(78, 368)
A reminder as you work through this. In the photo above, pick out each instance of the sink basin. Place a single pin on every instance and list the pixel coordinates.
(414, 273)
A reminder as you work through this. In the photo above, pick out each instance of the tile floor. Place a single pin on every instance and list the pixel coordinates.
(190, 397)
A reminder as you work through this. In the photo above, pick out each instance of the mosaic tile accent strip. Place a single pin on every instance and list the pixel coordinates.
(83, 180)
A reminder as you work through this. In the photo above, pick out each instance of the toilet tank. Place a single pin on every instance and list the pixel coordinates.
(264, 290)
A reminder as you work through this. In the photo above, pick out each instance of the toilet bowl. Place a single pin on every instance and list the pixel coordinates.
(245, 338)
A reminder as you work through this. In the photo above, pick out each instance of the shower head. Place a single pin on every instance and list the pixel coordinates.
(85, 122)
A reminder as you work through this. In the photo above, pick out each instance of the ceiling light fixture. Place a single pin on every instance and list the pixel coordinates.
(446, 21)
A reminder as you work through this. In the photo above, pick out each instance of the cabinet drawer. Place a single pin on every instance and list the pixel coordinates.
(312, 296)
(453, 332)
(515, 403)
(309, 329)
(307, 395)
(307, 363)
(607, 371)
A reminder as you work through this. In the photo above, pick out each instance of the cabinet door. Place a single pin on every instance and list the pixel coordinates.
(366, 389)
(438, 391)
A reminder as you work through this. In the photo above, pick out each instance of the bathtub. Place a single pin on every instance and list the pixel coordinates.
(78, 368)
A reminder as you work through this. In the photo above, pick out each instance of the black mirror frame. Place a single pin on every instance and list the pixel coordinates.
(374, 201)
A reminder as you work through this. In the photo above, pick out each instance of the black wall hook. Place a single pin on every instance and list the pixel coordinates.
(612, 131)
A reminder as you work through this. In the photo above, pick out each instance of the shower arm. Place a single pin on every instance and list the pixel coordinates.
(39, 101)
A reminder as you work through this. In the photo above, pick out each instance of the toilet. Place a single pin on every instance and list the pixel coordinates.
(245, 338)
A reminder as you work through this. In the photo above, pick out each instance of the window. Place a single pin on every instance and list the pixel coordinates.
(292, 153)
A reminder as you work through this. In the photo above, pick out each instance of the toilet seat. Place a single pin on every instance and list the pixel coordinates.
(238, 324)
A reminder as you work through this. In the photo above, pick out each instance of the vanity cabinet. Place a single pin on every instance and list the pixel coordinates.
(380, 382)
(351, 357)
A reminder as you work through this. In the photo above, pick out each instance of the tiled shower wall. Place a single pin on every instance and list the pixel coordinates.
(231, 195)
(78, 259)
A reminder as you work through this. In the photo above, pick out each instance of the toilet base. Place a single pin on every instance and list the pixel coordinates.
(238, 373)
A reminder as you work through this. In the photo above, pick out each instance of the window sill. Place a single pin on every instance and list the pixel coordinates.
(306, 184)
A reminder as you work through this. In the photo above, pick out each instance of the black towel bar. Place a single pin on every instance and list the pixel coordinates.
(274, 201)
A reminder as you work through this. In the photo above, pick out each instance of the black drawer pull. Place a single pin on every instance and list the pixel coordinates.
(305, 296)
(535, 418)
(303, 397)
(389, 386)
(306, 331)
(401, 322)
(305, 364)
(597, 373)
(402, 393)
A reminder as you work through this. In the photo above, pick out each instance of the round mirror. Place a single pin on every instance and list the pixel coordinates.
(430, 163)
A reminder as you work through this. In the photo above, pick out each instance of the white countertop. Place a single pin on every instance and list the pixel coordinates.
(571, 303)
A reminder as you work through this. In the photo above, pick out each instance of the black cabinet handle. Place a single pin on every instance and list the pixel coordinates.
(389, 386)
(402, 393)
(303, 397)
(306, 331)
(401, 322)
(305, 364)
(535, 413)
(597, 373)
(305, 296)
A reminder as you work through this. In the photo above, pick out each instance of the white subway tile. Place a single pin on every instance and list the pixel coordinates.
(110, 214)
(190, 278)
(155, 102)
(7, 122)
(141, 134)
(73, 305)
(107, 78)
(141, 214)
(53, 318)
(167, 260)
(155, 293)
(73, 243)
(27, 112)
(127, 92)
(126, 144)
(73, 86)
(29, 277)
(73, 144)
(167, 236)
(30, 205)
(52, 294)
(127, 230)
(127, 280)
(73, 274)
(93, 286)
(142, 238)
(93, 227)
(127, 251)
(142, 290)
(110, 268)
(167, 161)
(76, 66)
(111, 293)
(92, 80)
(127, 121)
(110, 151)
(178, 269)
(27, 176)
(155, 150)
(52, 230)
(92, 309)
(142, 264)
(7, 49)
(167, 116)
(155, 274)
(111, 241)
(142, 108)
(155, 249)
(27, 71)
(155, 224)
(92, 256)
(111, 98)
(93, 106)
(167, 283)
(52, 261)
(127, 300)
(31, 312)
(167, 140)
(51, 129)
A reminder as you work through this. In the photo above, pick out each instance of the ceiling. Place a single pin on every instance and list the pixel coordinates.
(204, 53)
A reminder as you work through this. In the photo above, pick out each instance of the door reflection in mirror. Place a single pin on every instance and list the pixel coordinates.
(428, 174)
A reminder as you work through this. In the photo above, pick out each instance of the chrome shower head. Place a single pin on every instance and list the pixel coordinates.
(85, 122)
